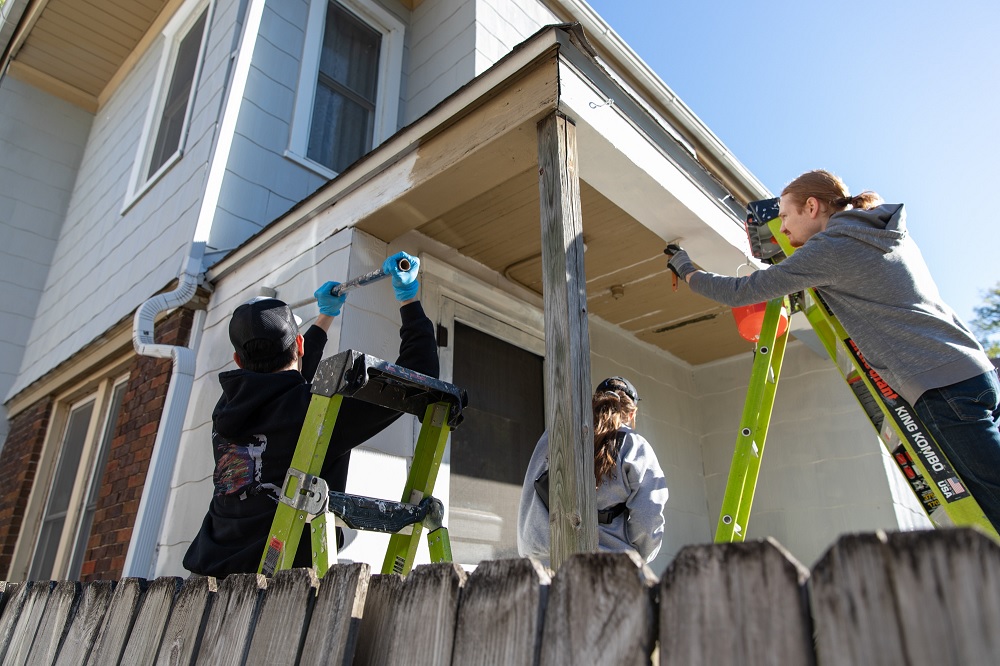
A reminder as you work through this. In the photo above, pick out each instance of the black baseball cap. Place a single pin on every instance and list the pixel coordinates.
(266, 322)
(612, 384)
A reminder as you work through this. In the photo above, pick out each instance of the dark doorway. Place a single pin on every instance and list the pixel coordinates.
(491, 449)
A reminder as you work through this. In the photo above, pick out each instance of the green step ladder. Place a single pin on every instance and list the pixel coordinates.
(306, 498)
(941, 492)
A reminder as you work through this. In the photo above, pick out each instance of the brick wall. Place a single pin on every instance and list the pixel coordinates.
(18, 465)
(131, 449)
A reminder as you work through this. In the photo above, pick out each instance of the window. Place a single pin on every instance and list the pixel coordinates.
(83, 447)
(166, 125)
(349, 83)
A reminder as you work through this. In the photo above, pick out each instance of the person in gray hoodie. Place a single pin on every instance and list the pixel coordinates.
(631, 488)
(858, 255)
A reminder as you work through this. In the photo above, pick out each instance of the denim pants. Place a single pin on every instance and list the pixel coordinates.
(964, 419)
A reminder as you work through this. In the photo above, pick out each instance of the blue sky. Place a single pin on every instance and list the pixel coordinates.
(896, 96)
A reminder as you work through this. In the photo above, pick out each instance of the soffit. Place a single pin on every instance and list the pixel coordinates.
(75, 47)
(500, 229)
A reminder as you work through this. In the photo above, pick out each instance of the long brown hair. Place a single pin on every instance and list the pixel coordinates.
(611, 410)
(829, 190)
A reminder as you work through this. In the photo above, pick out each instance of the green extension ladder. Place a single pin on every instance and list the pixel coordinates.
(942, 494)
(306, 498)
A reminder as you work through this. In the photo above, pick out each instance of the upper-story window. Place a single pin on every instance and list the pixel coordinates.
(169, 113)
(348, 97)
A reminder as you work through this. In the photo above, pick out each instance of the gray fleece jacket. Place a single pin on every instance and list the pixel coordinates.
(638, 482)
(869, 271)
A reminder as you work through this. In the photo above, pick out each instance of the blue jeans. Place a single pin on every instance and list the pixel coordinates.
(964, 419)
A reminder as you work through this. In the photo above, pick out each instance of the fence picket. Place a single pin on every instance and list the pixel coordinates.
(917, 598)
(735, 603)
(284, 616)
(55, 622)
(600, 611)
(181, 638)
(231, 620)
(151, 621)
(28, 622)
(85, 622)
(500, 613)
(411, 621)
(336, 619)
(110, 642)
(16, 595)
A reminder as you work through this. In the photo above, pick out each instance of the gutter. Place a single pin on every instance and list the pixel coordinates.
(141, 559)
(710, 150)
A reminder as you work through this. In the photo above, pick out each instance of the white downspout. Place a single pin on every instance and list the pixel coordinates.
(140, 561)
(149, 518)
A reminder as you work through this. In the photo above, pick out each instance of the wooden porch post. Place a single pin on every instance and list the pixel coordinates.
(569, 417)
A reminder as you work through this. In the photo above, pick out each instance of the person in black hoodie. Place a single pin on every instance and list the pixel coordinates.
(256, 423)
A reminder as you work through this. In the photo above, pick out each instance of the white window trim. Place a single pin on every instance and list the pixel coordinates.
(390, 72)
(173, 32)
(99, 392)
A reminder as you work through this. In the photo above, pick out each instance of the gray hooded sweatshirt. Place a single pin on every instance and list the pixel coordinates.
(637, 481)
(869, 271)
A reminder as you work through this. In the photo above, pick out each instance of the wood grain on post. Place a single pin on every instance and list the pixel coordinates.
(411, 621)
(181, 637)
(500, 614)
(151, 621)
(55, 623)
(735, 603)
(568, 411)
(231, 620)
(110, 642)
(930, 597)
(284, 616)
(600, 611)
(336, 619)
(86, 622)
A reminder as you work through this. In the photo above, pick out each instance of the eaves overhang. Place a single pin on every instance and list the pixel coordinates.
(466, 175)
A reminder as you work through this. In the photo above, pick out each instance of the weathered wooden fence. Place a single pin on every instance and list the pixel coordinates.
(907, 598)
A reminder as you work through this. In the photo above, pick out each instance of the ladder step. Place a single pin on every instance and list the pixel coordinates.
(378, 515)
(357, 375)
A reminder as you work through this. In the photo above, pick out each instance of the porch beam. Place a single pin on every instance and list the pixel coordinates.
(568, 411)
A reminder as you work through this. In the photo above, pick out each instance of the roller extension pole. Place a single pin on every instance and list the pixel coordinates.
(367, 278)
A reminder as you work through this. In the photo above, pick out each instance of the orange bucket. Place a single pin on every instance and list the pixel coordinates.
(750, 320)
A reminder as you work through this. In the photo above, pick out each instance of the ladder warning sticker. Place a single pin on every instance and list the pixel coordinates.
(916, 480)
(274, 548)
(931, 458)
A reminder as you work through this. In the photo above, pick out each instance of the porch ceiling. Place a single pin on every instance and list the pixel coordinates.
(74, 48)
(501, 230)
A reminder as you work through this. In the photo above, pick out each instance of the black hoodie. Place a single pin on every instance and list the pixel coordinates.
(255, 427)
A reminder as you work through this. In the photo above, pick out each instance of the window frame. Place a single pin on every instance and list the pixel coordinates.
(390, 70)
(173, 34)
(101, 392)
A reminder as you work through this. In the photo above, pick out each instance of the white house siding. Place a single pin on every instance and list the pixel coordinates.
(669, 418)
(41, 145)
(108, 261)
(822, 473)
(503, 24)
(441, 54)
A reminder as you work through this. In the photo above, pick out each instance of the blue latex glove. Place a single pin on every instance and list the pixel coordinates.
(328, 303)
(404, 283)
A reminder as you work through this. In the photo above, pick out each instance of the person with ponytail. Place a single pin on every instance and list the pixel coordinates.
(631, 488)
(858, 254)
